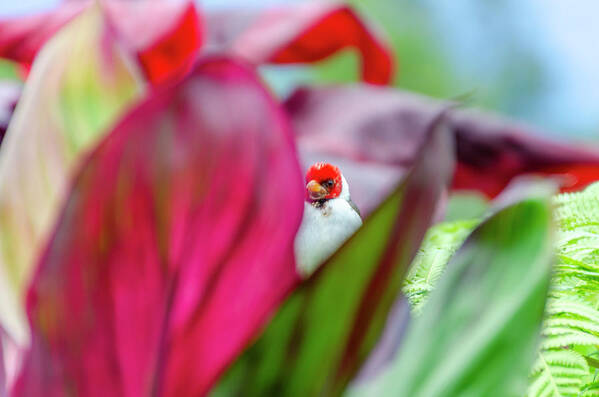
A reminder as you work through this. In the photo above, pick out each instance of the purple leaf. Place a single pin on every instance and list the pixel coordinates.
(380, 128)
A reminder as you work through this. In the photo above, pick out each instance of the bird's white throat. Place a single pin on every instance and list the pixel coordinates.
(324, 228)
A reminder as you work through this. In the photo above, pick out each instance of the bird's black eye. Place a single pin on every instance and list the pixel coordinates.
(328, 183)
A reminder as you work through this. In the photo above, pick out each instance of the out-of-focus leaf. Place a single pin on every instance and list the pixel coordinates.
(382, 128)
(574, 177)
(21, 38)
(300, 34)
(465, 205)
(8, 70)
(328, 326)
(478, 332)
(165, 35)
(81, 82)
(174, 246)
(10, 362)
(491, 151)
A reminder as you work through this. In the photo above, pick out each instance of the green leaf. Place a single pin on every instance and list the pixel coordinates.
(80, 83)
(324, 331)
(478, 332)
(464, 205)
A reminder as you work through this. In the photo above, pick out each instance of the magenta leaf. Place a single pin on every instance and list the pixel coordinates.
(174, 246)
(302, 33)
(381, 128)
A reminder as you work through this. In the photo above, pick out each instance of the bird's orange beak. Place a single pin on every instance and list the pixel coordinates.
(315, 190)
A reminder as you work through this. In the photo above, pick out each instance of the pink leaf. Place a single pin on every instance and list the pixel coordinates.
(300, 34)
(174, 246)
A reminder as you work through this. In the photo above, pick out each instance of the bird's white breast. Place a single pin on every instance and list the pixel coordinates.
(322, 231)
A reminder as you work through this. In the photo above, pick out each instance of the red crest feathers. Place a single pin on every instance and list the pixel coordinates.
(320, 172)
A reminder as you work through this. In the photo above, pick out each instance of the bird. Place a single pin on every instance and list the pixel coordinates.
(330, 217)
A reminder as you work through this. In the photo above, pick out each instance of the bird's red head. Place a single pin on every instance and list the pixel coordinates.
(323, 182)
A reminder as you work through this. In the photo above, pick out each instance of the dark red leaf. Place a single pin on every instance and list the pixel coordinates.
(492, 151)
(381, 128)
(300, 34)
(577, 177)
(165, 35)
(174, 247)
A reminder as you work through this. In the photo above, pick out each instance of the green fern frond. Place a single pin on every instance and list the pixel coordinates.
(572, 309)
(590, 389)
(557, 373)
(568, 340)
(572, 319)
(439, 244)
(570, 323)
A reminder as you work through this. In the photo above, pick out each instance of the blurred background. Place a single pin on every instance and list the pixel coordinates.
(533, 60)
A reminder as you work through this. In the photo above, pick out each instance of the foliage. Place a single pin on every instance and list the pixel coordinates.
(566, 363)
(148, 233)
(477, 333)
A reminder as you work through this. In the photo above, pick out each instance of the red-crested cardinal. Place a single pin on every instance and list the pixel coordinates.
(330, 217)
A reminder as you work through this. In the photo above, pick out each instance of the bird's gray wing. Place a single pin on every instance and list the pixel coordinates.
(355, 207)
